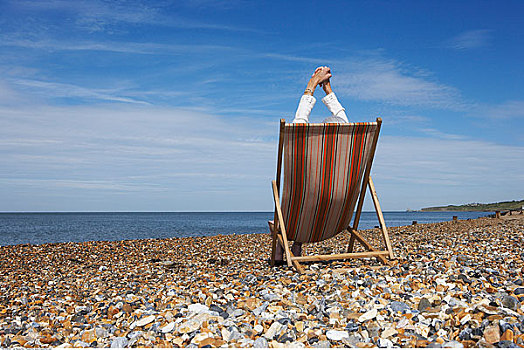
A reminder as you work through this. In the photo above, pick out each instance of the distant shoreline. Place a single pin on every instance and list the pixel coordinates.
(432, 210)
(489, 207)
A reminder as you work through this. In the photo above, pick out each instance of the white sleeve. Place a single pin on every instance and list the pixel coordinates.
(304, 109)
(336, 109)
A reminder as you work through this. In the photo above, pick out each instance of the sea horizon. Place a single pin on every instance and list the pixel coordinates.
(56, 227)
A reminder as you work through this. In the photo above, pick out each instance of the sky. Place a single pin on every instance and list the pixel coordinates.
(175, 105)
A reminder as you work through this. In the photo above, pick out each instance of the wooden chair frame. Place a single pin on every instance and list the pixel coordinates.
(278, 227)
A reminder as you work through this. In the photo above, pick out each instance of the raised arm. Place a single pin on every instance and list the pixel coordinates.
(338, 114)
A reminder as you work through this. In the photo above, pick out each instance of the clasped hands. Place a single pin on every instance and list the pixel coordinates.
(321, 77)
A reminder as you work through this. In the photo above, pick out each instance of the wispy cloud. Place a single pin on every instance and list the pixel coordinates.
(84, 184)
(389, 81)
(8, 96)
(165, 158)
(293, 58)
(421, 171)
(110, 149)
(441, 135)
(458, 162)
(504, 111)
(398, 118)
(102, 16)
(472, 39)
(118, 47)
(373, 77)
(215, 4)
(60, 90)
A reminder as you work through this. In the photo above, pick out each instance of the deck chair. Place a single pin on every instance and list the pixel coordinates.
(326, 171)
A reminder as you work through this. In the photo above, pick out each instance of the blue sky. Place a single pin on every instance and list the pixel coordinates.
(174, 106)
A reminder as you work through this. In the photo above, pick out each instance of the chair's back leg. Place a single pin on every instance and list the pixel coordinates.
(362, 240)
(272, 229)
(380, 217)
(351, 244)
(367, 172)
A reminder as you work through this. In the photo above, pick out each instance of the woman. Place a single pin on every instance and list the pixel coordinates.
(320, 77)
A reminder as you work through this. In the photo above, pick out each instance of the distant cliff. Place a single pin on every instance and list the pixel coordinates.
(510, 205)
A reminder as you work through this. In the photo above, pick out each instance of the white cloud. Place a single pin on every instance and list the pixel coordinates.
(133, 157)
(60, 90)
(84, 184)
(293, 58)
(472, 39)
(388, 81)
(441, 135)
(374, 78)
(398, 118)
(415, 172)
(8, 96)
(110, 46)
(169, 158)
(504, 111)
(106, 16)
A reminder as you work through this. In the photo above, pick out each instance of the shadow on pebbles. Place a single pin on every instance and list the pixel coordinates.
(453, 284)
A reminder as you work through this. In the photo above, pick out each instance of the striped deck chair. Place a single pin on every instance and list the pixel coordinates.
(326, 171)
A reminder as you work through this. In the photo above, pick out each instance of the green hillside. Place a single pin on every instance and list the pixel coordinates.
(510, 205)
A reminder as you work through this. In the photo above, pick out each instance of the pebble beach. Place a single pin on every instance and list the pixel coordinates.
(452, 284)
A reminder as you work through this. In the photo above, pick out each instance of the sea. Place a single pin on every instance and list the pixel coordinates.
(40, 228)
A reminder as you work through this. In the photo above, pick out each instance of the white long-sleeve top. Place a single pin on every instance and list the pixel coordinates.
(307, 102)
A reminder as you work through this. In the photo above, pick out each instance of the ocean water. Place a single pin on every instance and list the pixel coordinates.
(39, 228)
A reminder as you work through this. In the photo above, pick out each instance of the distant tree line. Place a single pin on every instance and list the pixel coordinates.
(508, 205)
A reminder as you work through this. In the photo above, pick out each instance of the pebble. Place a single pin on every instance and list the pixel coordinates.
(198, 308)
(453, 344)
(324, 344)
(168, 328)
(146, 320)
(510, 302)
(507, 344)
(119, 342)
(273, 330)
(369, 315)
(336, 335)
(384, 343)
(451, 285)
(260, 342)
(398, 306)
(271, 297)
(389, 332)
(189, 326)
(423, 304)
(492, 334)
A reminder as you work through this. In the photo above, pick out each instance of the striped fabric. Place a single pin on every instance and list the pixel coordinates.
(323, 169)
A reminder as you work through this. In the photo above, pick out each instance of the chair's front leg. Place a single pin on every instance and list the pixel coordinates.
(279, 222)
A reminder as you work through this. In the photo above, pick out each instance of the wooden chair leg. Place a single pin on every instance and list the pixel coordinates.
(351, 244)
(366, 244)
(273, 243)
(380, 216)
(280, 224)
